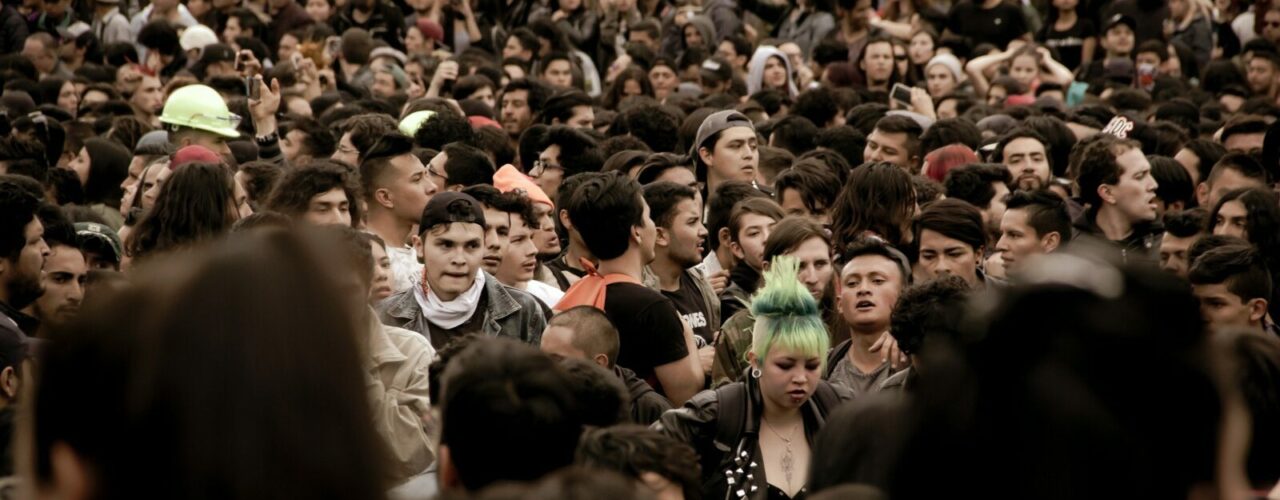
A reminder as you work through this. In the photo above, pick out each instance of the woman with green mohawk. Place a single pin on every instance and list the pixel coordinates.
(753, 436)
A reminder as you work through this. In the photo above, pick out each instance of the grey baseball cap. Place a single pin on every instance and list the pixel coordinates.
(718, 122)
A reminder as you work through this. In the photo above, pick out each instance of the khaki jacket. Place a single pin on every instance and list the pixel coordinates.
(396, 362)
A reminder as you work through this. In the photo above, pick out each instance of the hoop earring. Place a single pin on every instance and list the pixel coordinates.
(755, 373)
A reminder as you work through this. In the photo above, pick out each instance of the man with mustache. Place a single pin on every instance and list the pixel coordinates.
(1026, 154)
(22, 256)
(65, 272)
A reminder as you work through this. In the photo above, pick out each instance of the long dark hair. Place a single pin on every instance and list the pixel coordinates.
(878, 197)
(196, 204)
(614, 96)
(222, 374)
(1262, 222)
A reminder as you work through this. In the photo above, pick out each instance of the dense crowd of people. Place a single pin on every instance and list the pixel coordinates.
(764, 249)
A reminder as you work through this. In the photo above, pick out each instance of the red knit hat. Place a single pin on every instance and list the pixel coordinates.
(191, 154)
(940, 161)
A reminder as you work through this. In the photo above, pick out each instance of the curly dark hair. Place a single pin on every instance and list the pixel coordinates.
(293, 192)
(444, 128)
(653, 125)
(634, 450)
(934, 306)
(17, 209)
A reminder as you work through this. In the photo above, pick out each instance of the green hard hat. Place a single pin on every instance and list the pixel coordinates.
(410, 124)
(202, 108)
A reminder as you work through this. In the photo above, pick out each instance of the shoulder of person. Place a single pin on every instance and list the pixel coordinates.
(411, 344)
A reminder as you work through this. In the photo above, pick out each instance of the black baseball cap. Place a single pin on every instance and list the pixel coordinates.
(449, 207)
(1116, 19)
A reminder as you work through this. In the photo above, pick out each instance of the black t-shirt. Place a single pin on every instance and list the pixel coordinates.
(693, 308)
(475, 324)
(649, 330)
(998, 25)
(1069, 43)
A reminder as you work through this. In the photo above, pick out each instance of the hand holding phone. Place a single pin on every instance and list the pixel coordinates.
(902, 94)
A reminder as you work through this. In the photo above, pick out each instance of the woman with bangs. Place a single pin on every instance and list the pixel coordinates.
(754, 436)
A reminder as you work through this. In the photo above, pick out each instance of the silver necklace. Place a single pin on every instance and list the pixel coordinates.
(788, 462)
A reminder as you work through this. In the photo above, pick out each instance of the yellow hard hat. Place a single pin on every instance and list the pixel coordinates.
(202, 108)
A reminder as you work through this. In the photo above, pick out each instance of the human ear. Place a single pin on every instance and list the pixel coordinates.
(9, 383)
(1104, 193)
(1050, 242)
(706, 156)
(664, 237)
(1257, 309)
(383, 198)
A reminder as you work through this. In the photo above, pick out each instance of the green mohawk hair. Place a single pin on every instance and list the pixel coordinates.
(787, 315)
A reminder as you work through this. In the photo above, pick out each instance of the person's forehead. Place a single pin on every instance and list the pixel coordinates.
(64, 258)
(456, 232)
(1234, 208)
(869, 263)
(1215, 290)
(934, 240)
(335, 195)
(736, 133)
(1132, 161)
(888, 137)
(1177, 243)
(493, 215)
(1015, 216)
(1024, 145)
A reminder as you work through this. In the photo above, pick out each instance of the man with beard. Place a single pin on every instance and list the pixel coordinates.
(22, 255)
(65, 272)
(1026, 154)
(521, 100)
(677, 214)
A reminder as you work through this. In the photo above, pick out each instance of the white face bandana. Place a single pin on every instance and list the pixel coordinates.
(453, 313)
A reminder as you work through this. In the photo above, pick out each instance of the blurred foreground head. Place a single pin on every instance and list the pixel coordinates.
(1085, 380)
(233, 373)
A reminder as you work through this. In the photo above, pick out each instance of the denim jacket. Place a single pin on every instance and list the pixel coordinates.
(508, 313)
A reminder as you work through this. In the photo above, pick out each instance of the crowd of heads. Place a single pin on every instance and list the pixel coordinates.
(1038, 242)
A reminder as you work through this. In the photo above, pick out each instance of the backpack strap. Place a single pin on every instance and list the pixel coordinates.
(835, 355)
(731, 413)
(590, 290)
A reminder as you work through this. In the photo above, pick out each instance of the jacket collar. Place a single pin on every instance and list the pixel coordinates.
(501, 304)
(403, 306)
(380, 349)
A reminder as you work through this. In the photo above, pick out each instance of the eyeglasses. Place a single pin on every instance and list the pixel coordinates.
(900, 58)
(432, 172)
(543, 165)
